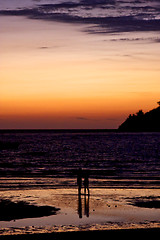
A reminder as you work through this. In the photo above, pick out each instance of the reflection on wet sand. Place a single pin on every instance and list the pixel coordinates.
(83, 174)
(102, 209)
(86, 205)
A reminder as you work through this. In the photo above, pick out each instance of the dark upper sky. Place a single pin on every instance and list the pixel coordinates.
(105, 15)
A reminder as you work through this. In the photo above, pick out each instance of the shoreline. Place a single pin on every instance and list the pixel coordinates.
(125, 233)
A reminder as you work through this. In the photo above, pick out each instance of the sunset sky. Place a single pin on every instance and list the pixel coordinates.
(79, 64)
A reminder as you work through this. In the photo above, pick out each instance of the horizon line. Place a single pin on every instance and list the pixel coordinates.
(60, 129)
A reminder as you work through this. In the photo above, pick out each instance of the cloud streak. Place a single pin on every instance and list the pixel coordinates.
(105, 16)
(82, 118)
(149, 39)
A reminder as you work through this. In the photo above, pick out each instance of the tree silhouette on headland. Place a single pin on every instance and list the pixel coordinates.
(142, 122)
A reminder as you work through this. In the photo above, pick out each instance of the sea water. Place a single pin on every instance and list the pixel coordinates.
(50, 159)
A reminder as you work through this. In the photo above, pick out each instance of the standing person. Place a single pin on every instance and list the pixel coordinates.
(79, 180)
(86, 182)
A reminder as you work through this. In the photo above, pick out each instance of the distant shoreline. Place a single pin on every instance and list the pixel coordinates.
(73, 131)
(59, 130)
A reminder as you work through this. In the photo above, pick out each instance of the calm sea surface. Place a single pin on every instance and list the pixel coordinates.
(51, 159)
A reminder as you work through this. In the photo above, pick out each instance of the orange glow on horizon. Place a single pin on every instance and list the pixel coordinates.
(72, 76)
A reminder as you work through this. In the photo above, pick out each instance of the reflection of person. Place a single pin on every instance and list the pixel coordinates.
(79, 206)
(86, 183)
(79, 180)
(86, 205)
(83, 174)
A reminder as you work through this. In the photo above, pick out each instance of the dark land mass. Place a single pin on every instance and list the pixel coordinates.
(146, 202)
(18, 210)
(97, 234)
(142, 122)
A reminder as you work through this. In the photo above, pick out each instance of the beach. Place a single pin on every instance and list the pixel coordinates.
(125, 233)
(109, 211)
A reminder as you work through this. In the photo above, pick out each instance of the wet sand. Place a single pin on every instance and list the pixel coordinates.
(124, 233)
(105, 211)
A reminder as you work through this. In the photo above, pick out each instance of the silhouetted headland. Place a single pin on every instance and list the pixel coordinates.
(142, 122)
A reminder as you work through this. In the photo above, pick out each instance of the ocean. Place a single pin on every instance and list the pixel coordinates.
(50, 159)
